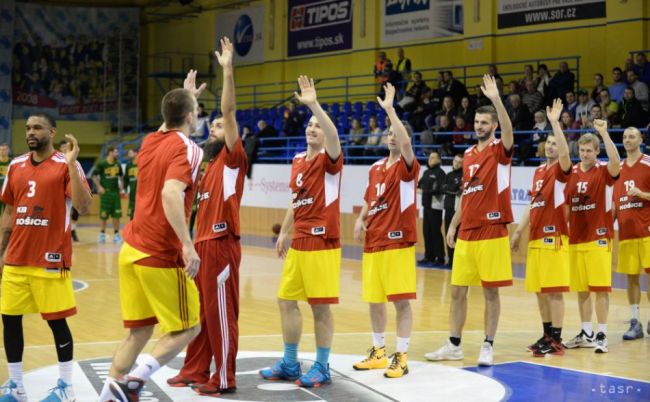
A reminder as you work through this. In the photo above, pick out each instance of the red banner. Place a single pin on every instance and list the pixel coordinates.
(88, 108)
(31, 99)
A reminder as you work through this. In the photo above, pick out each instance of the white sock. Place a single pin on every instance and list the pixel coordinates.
(65, 371)
(588, 328)
(602, 328)
(379, 339)
(402, 345)
(106, 394)
(147, 366)
(16, 373)
(634, 309)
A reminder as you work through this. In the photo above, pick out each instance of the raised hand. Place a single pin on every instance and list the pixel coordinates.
(389, 96)
(600, 126)
(307, 93)
(225, 57)
(190, 84)
(554, 112)
(489, 87)
(71, 150)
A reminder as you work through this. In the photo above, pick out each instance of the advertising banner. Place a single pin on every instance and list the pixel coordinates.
(404, 21)
(245, 29)
(515, 13)
(319, 26)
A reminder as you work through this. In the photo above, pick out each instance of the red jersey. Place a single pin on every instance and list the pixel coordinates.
(163, 156)
(41, 195)
(547, 206)
(220, 194)
(633, 213)
(589, 195)
(486, 192)
(392, 212)
(316, 187)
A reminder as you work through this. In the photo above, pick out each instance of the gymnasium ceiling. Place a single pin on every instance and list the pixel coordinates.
(155, 10)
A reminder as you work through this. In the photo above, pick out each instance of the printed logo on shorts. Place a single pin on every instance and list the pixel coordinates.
(396, 234)
(601, 242)
(549, 240)
(549, 229)
(320, 230)
(53, 257)
(493, 216)
(601, 231)
(219, 227)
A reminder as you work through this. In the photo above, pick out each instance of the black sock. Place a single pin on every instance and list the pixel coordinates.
(102, 231)
(13, 337)
(455, 341)
(547, 328)
(62, 339)
(116, 232)
(490, 341)
(556, 334)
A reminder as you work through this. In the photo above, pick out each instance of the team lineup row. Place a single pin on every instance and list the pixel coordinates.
(191, 286)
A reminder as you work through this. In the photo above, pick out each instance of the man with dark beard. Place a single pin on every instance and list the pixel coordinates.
(217, 242)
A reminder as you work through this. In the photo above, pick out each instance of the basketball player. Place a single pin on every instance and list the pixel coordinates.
(632, 206)
(107, 177)
(388, 218)
(482, 255)
(312, 265)
(38, 192)
(217, 243)
(158, 261)
(589, 192)
(547, 262)
(131, 179)
(4, 165)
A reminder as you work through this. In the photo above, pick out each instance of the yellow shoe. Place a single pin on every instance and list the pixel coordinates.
(376, 360)
(398, 366)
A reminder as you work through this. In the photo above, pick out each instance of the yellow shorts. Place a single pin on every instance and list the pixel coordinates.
(155, 295)
(311, 276)
(634, 256)
(547, 267)
(591, 267)
(482, 262)
(389, 275)
(28, 290)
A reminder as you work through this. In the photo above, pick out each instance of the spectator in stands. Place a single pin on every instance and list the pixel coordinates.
(448, 108)
(598, 86)
(567, 123)
(571, 103)
(587, 122)
(542, 83)
(528, 75)
(389, 75)
(609, 107)
(519, 114)
(202, 124)
(640, 89)
(466, 110)
(584, 105)
(357, 137)
(265, 130)
(618, 85)
(380, 66)
(441, 137)
(532, 97)
(479, 99)
(630, 111)
(642, 68)
(293, 120)
(562, 82)
(513, 87)
(541, 129)
(629, 65)
(413, 95)
(374, 139)
(403, 68)
(423, 111)
(492, 70)
(464, 130)
(454, 88)
(251, 145)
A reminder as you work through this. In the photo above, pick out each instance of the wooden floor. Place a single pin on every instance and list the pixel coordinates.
(98, 327)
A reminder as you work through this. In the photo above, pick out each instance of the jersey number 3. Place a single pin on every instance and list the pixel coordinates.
(32, 188)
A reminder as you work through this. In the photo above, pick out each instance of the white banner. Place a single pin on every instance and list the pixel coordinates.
(7, 17)
(269, 187)
(405, 21)
(514, 13)
(245, 29)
